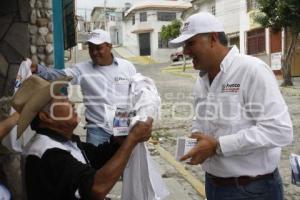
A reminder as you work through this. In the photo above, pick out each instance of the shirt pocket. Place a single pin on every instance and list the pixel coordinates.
(227, 110)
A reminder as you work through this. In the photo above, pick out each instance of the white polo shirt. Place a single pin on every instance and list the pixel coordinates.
(102, 85)
(244, 108)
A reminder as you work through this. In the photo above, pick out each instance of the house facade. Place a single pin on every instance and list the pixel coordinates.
(249, 36)
(265, 43)
(142, 27)
(109, 19)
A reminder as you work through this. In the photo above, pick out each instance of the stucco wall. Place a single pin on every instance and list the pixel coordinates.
(131, 39)
(228, 11)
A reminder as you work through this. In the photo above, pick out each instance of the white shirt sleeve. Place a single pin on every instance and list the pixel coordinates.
(75, 73)
(273, 126)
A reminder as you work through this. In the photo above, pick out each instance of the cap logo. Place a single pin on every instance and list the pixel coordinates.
(185, 26)
(95, 35)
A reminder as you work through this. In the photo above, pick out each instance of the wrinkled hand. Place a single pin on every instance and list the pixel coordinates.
(205, 148)
(141, 132)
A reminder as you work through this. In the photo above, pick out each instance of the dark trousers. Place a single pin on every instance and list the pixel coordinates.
(268, 188)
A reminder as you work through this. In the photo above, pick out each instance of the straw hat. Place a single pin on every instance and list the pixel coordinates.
(33, 95)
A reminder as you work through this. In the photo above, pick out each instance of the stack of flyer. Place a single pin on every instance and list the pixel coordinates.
(295, 166)
(184, 145)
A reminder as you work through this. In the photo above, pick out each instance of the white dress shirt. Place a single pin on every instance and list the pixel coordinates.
(244, 109)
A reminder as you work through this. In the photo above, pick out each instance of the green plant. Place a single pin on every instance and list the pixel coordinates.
(278, 15)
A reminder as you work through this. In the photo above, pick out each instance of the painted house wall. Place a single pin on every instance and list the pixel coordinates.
(112, 22)
(228, 11)
(154, 27)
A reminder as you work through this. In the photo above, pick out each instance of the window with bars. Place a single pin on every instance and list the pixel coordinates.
(213, 9)
(252, 5)
(256, 41)
(161, 43)
(143, 16)
(166, 16)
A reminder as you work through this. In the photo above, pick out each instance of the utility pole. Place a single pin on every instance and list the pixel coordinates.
(105, 20)
(85, 22)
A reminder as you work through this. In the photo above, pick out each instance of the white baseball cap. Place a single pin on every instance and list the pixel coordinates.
(99, 36)
(202, 22)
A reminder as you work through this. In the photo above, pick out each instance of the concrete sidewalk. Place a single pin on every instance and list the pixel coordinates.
(125, 53)
(176, 69)
(176, 190)
(291, 90)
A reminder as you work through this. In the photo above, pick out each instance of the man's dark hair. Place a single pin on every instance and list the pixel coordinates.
(223, 38)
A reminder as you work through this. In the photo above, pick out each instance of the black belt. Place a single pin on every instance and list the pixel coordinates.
(242, 180)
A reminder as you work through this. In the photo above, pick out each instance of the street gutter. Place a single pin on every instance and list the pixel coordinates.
(197, 185)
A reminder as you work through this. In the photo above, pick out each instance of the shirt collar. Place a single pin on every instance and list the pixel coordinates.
(56, 136)
(202, 73)
(226, 62)
(115, 60)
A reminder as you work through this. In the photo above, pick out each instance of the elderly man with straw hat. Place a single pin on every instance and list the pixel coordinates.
(57, 164)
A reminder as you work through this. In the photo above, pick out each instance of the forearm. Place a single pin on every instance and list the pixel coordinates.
(7, 125)
(49, 73)
(106, 177)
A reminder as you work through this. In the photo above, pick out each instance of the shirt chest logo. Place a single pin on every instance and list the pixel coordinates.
(230, 87)
(121, 80)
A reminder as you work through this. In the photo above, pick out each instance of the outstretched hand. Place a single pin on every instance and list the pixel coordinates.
(205, 148)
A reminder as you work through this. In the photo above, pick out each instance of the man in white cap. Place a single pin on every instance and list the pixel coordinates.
(104, 81)
(241, 119)
(57, 164)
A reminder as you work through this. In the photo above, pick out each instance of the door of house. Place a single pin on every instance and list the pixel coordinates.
(144, 43)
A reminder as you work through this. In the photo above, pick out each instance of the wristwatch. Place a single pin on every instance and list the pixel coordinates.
(218, 149)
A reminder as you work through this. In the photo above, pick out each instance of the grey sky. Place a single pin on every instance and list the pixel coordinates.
(94, 3)
(84, 7)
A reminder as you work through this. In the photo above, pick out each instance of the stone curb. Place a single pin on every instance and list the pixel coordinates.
(199, 186)
(290, 91)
